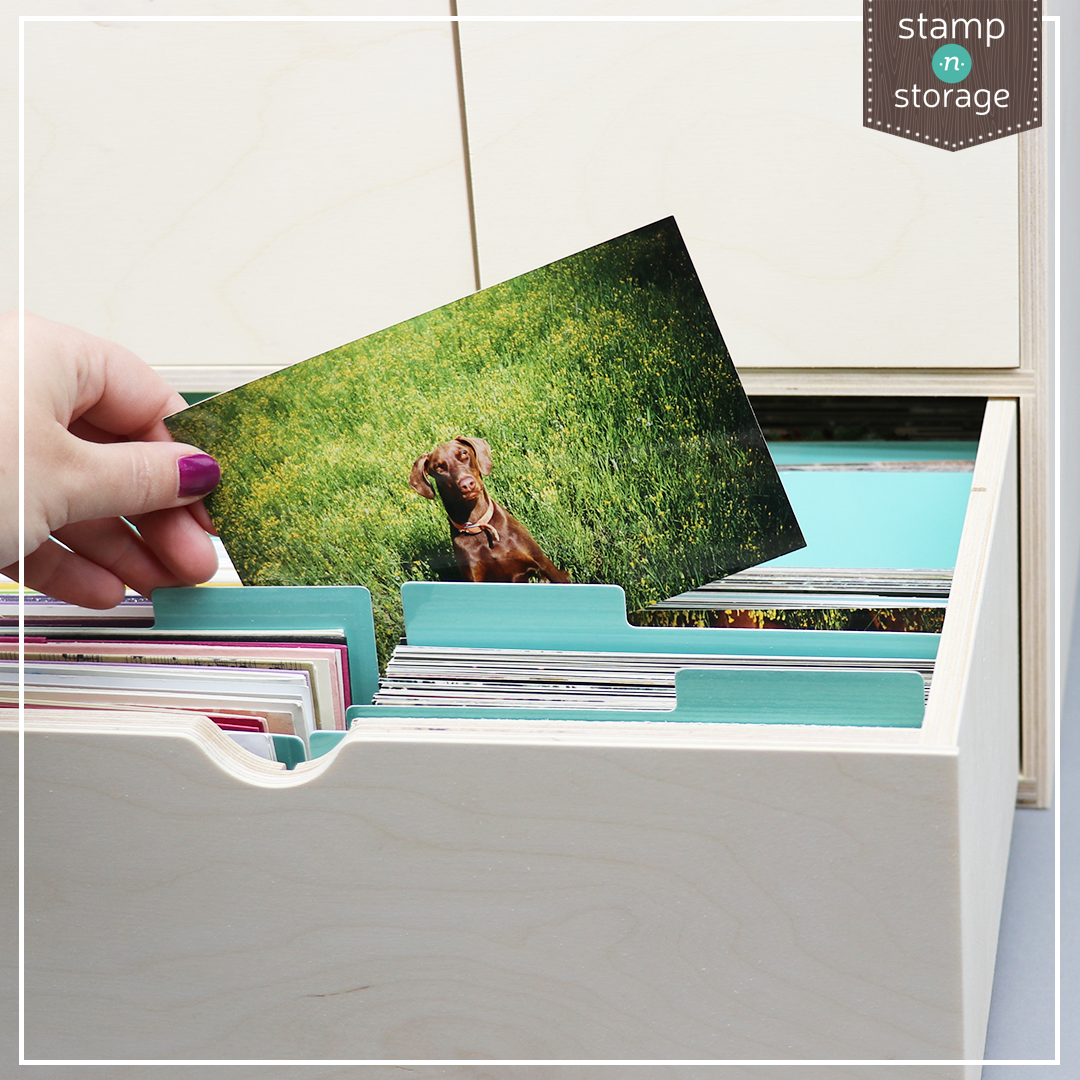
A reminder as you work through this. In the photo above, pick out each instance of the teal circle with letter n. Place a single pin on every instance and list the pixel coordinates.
(952, 63)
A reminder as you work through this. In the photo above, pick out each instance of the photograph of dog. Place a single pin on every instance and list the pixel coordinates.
(625, 449)
(490, 544)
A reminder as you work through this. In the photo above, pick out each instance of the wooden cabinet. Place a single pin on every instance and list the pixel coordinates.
(242, 194)
(741, 893)
(820, 244)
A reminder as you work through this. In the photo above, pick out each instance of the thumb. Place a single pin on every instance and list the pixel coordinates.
(124, 479)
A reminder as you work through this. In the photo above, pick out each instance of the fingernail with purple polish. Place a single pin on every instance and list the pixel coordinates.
(199, 474)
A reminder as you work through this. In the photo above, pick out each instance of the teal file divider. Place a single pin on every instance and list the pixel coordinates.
(289, 749)
(592, 618)
(832, 697)
(839, 452)
(287, 609)
(880, 519)
(322, 742)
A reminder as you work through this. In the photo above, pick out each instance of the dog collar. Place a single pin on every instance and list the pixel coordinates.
(471, 528)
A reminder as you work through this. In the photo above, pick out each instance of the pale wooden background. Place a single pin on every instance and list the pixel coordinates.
(247, 195)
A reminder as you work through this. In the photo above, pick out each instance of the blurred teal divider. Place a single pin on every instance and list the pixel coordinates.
(834, 452)
(902, 520)
(289, 749)
(322, 742)
(592, 618)
(290, 609)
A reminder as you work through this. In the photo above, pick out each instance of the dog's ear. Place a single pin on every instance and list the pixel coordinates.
(481, 451)
(418, 480)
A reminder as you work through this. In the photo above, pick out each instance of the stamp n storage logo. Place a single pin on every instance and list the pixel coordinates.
(952, 73)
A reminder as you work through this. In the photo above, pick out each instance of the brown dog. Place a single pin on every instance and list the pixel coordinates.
(490, 544)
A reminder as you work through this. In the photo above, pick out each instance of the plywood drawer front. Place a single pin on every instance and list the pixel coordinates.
(450, 899)
(975, 706)
(819, 243)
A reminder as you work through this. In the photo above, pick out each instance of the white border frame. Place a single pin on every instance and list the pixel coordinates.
(1058, 680)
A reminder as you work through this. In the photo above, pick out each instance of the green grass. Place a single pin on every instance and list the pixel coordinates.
(619, 434)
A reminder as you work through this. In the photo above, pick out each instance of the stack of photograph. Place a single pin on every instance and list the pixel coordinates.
(896, 502)
(267, 691)
(825, 598)
(537, 679)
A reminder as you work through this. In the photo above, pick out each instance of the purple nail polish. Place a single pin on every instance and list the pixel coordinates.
(199, 474)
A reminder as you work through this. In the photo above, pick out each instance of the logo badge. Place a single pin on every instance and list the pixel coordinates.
(952, 74)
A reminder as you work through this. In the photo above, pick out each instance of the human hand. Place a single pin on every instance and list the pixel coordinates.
(97, 452)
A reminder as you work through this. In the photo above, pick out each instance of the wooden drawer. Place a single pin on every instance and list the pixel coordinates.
(555, 891)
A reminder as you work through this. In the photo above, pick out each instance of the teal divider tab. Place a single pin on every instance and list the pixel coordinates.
(592, 618)
(288, 609)
(322, 742)
(737, 696)
(836, 451)
(903, 519)
(289, 749)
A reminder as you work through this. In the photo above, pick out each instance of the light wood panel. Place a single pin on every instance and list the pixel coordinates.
(819, 243)
(1044, 611)
(975, 704)
(470, 898)
(243, 193)
(916, 382)
(621, 9)
(907, 382)
(1040, 600)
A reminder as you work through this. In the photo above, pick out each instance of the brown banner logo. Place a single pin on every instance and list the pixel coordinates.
(952, 73)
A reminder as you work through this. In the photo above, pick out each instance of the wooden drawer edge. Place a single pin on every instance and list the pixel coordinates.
(976, 592)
